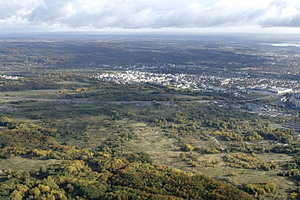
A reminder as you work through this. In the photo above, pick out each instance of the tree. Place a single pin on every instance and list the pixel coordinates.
(35, 191)
(188, 147)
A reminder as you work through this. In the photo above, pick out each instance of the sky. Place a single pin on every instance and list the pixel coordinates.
(182, 16)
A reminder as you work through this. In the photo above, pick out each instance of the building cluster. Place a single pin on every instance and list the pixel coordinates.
(180, 81)
(7, 77)
(205, 82)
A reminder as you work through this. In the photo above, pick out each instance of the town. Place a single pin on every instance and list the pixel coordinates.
(234, 83)
(239, 86)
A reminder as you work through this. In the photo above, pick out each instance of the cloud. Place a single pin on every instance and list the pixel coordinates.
(151, 14)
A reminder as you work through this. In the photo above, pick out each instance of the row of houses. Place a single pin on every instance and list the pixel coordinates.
(7, 77)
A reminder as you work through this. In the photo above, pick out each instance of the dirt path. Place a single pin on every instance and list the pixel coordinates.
(218, 143)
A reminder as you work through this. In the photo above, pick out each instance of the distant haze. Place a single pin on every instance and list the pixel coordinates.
(184, 16)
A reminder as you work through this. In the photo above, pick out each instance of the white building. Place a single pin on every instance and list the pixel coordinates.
(279, 90)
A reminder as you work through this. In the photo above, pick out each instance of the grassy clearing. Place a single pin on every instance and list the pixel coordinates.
(43, 95)
(275, 157)
(73, 83)
(31, 93)
(163, 150)
(25, 164)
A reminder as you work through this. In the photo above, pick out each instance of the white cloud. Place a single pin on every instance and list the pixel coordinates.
(152, 14)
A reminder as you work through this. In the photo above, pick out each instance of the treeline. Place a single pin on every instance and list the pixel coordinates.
(44, 81)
